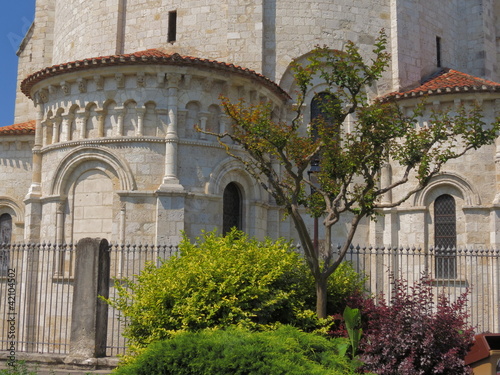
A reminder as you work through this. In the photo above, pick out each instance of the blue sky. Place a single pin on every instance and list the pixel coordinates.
(15, 19)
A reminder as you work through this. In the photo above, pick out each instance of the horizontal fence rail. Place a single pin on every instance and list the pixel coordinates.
(36, 286)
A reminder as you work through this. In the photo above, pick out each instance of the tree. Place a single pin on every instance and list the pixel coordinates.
(278, 154)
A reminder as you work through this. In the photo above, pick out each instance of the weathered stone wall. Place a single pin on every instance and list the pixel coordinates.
(35, 53)
(15, 169)
(472, 180)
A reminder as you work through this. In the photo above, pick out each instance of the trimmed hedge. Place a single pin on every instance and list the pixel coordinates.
(286, 351)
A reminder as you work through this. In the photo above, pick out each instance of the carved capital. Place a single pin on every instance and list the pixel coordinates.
(82, 85)
(65, 87)
(173, 79)
(207, 84)
(141, 80)
(160, 79)
(41, 96)
(120, 80)
(99, 82)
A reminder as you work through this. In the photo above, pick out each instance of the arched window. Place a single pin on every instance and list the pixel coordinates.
(5, 228)
(5, 237)
(445, 236)
(232, 208)
(324, 106)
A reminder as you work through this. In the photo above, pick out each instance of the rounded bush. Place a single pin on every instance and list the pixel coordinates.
(236, 351)
(217, 282)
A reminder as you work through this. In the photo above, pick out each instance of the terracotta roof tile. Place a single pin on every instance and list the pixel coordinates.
(147, 57)
(24, 128)
(447, 81)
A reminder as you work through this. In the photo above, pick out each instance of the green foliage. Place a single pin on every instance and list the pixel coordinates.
(342, 284)
(19, 368)
(217, 282)
(278, 154)
(237, 351)
(352, 319)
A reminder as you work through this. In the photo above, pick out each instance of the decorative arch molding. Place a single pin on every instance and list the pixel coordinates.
(443, 182)
(287, 81)
(86, 154)
(17, 209)
(230, 170)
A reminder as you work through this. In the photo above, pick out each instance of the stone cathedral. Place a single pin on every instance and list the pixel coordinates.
(109, 94)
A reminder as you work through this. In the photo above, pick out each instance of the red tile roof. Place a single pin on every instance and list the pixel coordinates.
(447, 81)
(25, 128)
(147, 57)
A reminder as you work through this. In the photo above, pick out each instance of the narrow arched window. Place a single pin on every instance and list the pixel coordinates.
(445, 236)
(5, 228)
(5, 237)
(232, 208)
(324, 107)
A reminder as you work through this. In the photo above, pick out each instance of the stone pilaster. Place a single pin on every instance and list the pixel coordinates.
(170, 179)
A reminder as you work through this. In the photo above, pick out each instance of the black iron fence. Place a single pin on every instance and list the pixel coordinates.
(36, 286)
(36, 294)
(452, 271)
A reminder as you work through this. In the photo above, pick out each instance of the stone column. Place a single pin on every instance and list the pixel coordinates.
(81, 124)
(101, 116)
(203, 124)
(59, 259)
(171, 138)
(90, 314)
(57, 130)
(120, 115)
(32, 200)
(66, 127)
(140, 121)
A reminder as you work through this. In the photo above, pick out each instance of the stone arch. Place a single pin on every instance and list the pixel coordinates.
(110, 118)
(91, 203)
(130, 118)
(150, 119)
(444, 183)
(92, 125)
(287, 81)
(193, 109)
(86, 154)
(72, 129)
(9, 206)
(230, 170)
(47, 128)
(213, 123)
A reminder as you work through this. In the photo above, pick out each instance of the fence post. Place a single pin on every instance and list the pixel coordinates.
(89, 318)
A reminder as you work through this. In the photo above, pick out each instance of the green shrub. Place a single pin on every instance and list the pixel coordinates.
(344, 283)
(237, 351)
(217, 282)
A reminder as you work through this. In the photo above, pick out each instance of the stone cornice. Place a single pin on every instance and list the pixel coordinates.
(148, 57)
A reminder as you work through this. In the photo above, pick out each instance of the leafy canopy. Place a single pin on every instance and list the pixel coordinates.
(352, 141)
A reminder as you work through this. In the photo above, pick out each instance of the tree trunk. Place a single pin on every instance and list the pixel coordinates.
(321, 296)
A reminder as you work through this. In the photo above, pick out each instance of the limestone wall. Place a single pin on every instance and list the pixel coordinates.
(15, 169)
(471, 180)
(35, 53)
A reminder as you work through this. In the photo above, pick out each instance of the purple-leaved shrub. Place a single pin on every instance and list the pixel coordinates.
(417, 333)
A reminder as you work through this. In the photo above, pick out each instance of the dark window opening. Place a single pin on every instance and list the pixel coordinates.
(445, 236)
(172, 26)
(232, 208)
(5, 237)
(324, 107)
(438, 52)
